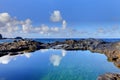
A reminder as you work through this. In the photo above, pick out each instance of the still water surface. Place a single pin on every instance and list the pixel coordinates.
(55, 65)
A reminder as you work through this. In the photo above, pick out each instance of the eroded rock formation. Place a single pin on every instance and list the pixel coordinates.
(109, 76)
(19, 46)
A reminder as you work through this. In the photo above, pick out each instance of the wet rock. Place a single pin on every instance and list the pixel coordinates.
(109, 76)
(20, 45)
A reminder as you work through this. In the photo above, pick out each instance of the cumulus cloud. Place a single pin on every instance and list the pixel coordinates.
(4, 17)
(64, 24)
(56, 16)
(8, 24)
(11, 27)
(26, 26)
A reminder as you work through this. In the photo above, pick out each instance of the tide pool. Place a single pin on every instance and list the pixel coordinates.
(52, 64)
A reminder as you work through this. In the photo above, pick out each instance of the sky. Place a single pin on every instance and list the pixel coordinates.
(60, 18)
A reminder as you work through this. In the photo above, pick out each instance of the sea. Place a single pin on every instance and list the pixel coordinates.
(51, 64)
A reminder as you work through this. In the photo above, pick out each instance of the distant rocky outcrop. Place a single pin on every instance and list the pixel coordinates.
(18, 38)
(109, 76)
(1, 36)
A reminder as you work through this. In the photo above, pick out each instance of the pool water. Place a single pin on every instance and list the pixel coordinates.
(49, 64)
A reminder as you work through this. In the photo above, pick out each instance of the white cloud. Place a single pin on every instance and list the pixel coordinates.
(26, 26)
(4, 17)
(12, 27)
(8, 24)
(56, 16)
(64, 24)
(54, 29)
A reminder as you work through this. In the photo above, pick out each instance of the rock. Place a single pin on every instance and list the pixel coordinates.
(0, 36)
(19, 46)
(109, 76)
(18, 38)
(70, 42)
(60, 46)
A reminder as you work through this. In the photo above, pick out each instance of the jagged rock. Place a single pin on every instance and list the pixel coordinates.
(0, 36)
(109, 76)
(20, 45)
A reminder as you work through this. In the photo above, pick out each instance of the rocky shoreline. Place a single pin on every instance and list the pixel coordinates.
(110, 49)
(19, 47)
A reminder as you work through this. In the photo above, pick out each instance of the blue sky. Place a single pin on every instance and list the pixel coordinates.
(60, 18)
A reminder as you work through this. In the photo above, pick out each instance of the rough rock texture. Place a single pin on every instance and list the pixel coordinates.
(0, 36)
(109, 76)
(18, 46)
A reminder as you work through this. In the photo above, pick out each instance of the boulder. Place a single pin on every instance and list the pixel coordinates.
(1, 36)
(109, 76)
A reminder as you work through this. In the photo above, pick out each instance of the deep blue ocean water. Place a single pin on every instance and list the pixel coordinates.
(52, 64)
(63, 39)
(46, 40)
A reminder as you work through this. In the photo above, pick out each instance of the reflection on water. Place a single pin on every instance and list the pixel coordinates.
(55, 59)
(28, 55)
(44, 50)
(7, 58)
(64, 53)
(52, 64)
